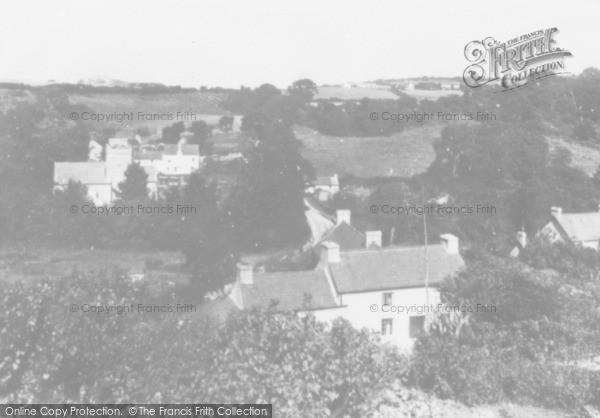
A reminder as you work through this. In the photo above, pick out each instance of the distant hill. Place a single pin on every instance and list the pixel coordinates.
(391, 89)
(104, 82)
(205, 106)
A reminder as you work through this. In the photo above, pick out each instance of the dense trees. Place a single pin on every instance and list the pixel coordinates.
(206, 237)
(268, 203)
(34, 134)
(135, 185)
(201, 133)
(226, 123)
(526, 349)
(171, 134)
(507, 166)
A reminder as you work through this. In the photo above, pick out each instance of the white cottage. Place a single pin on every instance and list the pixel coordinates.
(577, 228)
(364, 286)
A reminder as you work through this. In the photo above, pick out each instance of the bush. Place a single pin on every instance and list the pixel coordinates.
(303, 367)
(520, 352)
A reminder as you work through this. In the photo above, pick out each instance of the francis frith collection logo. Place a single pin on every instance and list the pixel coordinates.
(516, 62)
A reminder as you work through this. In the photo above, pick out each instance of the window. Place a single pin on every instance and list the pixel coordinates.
(386, 326)
(416, 326)
(387, 299)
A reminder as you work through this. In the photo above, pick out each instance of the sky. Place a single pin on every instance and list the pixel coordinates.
(231, 43)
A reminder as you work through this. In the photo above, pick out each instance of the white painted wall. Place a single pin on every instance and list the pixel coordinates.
(100, 194)
(179, 164)
(174, 164)
(359, 313)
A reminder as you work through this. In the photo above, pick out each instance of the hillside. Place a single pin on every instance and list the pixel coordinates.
(205, 105)
(402, 154)
(584, 157)
(399, 155)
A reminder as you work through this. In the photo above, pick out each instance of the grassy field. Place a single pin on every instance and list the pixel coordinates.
(354, 93)
(17, 265)
(205, 105)
(431, 94)
(379, 92)
(402, 154)
(584, 157)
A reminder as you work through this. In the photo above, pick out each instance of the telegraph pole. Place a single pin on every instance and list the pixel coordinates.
(425, 237)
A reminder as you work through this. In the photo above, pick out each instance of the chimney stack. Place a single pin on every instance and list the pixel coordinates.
(244, 273)
(342, 216)
(372, 238)
(330, 252)
(522, 238)
(556, 212)
(450, 243)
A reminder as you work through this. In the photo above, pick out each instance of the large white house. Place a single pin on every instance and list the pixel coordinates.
(166, 165)
(365, 286)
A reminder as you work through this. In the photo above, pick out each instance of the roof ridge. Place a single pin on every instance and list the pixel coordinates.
(389, 248)
(350, 225)
(593, 212)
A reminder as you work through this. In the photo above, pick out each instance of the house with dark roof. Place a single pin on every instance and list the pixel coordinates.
(386, 289)
(577, 228)
(343, 233)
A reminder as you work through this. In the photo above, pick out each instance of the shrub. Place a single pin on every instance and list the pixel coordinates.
(301, 366)
(518, 353)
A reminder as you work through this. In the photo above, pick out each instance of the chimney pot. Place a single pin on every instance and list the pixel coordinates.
(372, 238)
(342, 215)
(244, 273)
(522, 238)
(330, 252)
(450, 243)
(556, 212)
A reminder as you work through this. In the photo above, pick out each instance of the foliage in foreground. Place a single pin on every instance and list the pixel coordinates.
(526, 351)
(303, 367)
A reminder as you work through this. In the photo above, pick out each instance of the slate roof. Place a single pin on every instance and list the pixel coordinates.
(87, 172)
(358, 271)
(346, 236)
(289, 288)
(579, 226)
(218, 308)
(147, 154)
(186, 149)
(392, 268)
